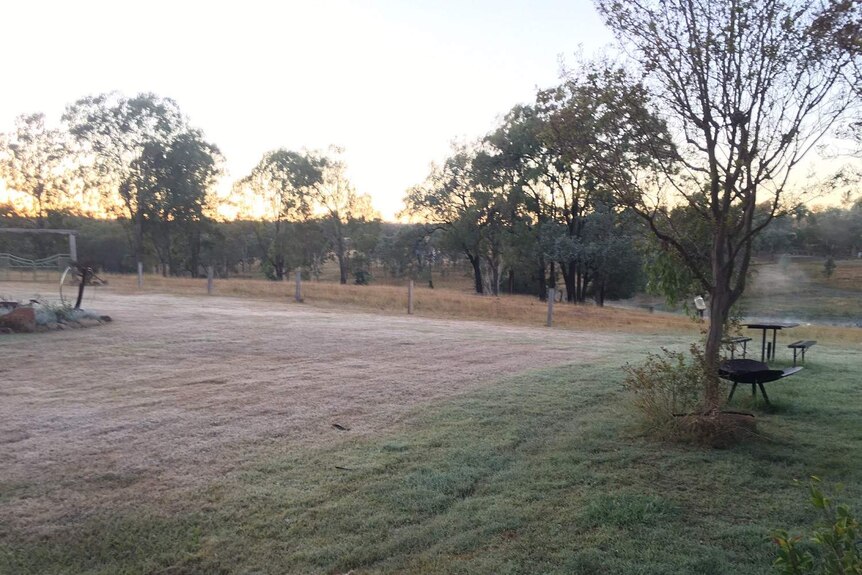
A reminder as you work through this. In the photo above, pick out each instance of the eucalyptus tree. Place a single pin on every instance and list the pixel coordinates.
(34, 160)
(608, 253)
(279, 190)
(596, 123)
(113, 131)
(748, 88)
(514, 155)
(349, 221)
(173, 182)
(453, 199)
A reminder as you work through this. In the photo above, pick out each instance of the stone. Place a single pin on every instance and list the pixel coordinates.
(20, 319)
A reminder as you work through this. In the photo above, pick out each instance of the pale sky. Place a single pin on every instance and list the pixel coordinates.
(391, 82)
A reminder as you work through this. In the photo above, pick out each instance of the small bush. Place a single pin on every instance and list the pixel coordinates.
(362, 277)
(61, 312)
(834, 548)
(54, 313)
(666, 384)
(829, 267)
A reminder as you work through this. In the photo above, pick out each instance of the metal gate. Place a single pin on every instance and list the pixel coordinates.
(16, 268)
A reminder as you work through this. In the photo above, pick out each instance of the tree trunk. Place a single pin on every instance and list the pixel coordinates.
(494, 269)
(278, 264)
(194, 253)
(139, 239)
(719, 309)
(477, 273)
(582, 280)
(542, 283)
(342, 268)
(340, 252)
(569, 279)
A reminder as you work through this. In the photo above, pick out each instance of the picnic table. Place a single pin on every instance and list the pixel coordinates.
(774, 326)
(755, 373)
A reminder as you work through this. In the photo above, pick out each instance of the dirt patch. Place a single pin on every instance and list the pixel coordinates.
(178, 391)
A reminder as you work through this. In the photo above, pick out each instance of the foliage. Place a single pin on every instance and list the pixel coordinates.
(33, 162)
(666, 275)
(362, 277)
(48, 312)
(829, 267)
(407, 250)
(836, 542)
(451, 200)
(666, 385)
(348, 220)
(748, 89)
(533, 191)
(281, 186)
(174, 180)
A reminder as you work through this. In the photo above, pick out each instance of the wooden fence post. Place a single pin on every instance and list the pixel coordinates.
(209, 280)
(298, 295)
(551, 296)
(410, 298)
(140, 275)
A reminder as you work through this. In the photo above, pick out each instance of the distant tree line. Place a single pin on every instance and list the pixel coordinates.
(135, 173)
(552, 197)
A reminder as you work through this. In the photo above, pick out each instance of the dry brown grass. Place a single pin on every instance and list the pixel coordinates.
(847, 275)
(178, 391)
(445, 303)
(458, 304)
(431, 303)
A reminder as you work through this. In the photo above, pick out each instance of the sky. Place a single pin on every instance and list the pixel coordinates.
(392, 82)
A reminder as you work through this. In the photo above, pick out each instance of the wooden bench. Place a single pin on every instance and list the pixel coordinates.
(801, 346)
(734, 341)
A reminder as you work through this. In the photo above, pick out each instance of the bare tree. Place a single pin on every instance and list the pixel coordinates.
(748, 87)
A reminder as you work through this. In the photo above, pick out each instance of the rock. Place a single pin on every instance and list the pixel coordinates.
(20, 319)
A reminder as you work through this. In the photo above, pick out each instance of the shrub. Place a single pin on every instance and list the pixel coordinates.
(829, 267)
(54, 313)
(666, 384)
(362, 277)
(836, 547)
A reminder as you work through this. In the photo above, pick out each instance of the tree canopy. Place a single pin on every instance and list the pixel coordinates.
(748, 88)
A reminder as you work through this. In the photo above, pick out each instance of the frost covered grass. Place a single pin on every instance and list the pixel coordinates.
(541, 472)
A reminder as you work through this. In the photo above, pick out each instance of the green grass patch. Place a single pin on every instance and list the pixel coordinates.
(541, 473)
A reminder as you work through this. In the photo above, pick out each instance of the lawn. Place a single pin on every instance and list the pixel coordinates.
(797, 289)
(545, 471)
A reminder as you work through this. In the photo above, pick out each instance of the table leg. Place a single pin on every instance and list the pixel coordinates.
(774, 332)
(763, 347)
(732, 389)
(763, 391)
